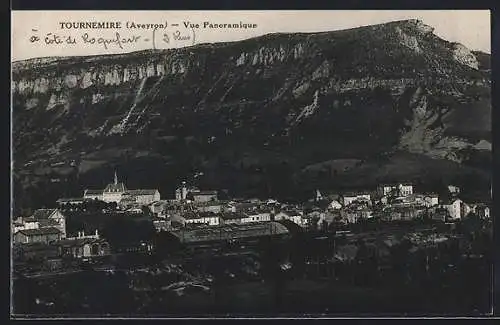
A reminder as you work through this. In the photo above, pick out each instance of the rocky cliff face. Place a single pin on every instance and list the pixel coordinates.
(300, 98)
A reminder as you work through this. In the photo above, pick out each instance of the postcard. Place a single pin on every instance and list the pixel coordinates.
(246, 164)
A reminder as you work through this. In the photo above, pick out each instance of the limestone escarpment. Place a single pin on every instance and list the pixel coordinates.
(343, 94)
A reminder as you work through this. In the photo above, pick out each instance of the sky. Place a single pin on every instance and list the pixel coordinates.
(31, 29)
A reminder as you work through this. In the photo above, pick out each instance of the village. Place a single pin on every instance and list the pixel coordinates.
(193, 209)
(180, 246)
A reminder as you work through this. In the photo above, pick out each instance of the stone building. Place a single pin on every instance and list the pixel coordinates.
(117, 191)
(40, 235)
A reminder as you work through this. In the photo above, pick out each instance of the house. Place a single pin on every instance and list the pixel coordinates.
(242, 206)
(402, 213)
(291, 215)
(208, 207)
(24, 223)
(18, 225)
(454, 190)
(349, 198)
(455, 208)
(114, 192)
(256, 216)
(40, 235)
(231, 218)
(181, 192)
(431, 199)
(318, 197)
(65, 202)
(385, 189)
(409, 200)
(481, 210)
(402, 189)
(162, 224)
(335, 205)
(245, 217)
(203, 196)
(158, 208)
(207, 218)
(127, 201)
(50, 218)
(384, 200)
(84, 247)
(93, 195)
(144, 197)
(354, 214)
(134, 210)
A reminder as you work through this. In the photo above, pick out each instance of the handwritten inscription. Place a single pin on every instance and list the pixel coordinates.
(106, 42)
(117, 40)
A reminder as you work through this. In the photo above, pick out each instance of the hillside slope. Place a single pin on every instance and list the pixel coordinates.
(245, 110)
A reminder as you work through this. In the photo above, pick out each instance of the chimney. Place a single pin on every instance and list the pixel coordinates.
(83, 233)
(96, 233)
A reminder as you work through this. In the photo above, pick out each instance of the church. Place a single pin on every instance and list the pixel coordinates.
(118, 192)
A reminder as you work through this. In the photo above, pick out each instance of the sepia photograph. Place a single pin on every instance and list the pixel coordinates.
(251, 164)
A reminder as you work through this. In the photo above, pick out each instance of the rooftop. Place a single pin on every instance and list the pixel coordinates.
(79, 241)
(40, 231)
(48, 223)
(198, 215)
(141, 192)
(207, 192)
(115, 187)
(397, 184)
(352, 194)
(93, 192)
(257, 211)
(231, 231)
(232, 215)
(43, 213)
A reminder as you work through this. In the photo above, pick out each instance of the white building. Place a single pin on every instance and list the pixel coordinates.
(293, 216)
(208, 207)
(456, 208)
(204, 196)
(145, 197)
(24, 223)
(93, 194)
(245, 217)
(256, 216)
(350, 198)
(43, 218)
(481, 210)
(401, 189)
(183, 193)
(452, 189)
(208, 218)
(431, 200)
(335, 205)
(158, 207)
(117, 191)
